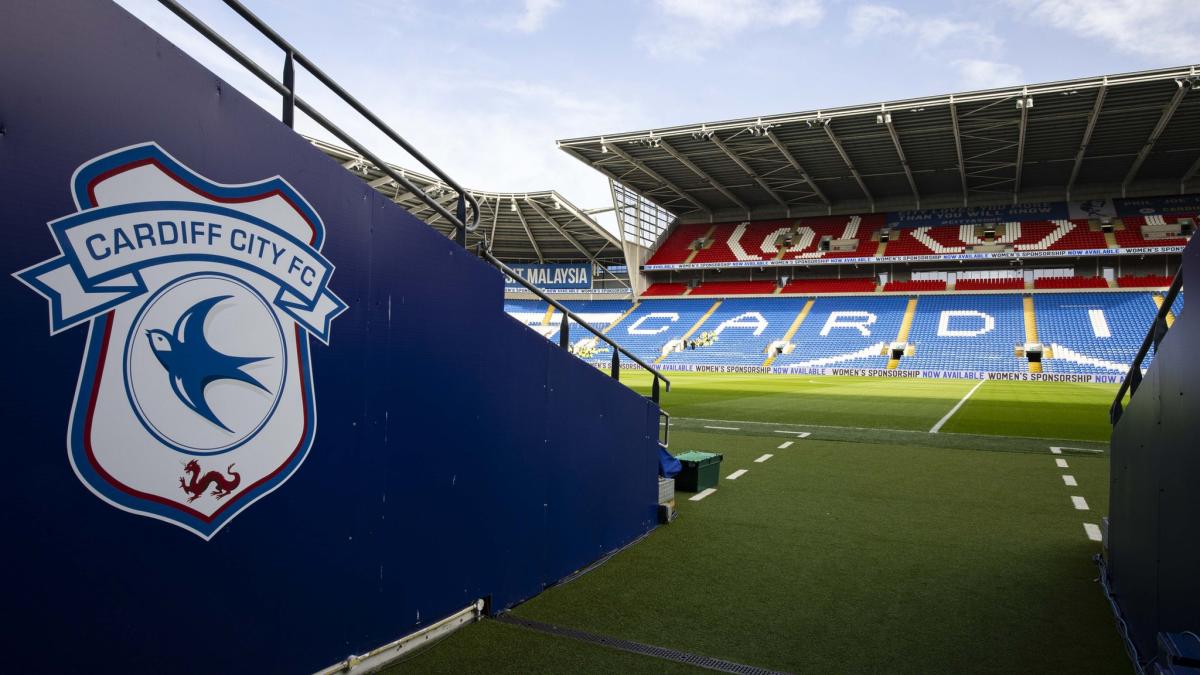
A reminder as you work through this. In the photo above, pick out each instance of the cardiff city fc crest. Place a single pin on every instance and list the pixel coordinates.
(195, 398)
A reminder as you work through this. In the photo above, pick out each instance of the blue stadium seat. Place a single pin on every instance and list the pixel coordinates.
(967, 332)
(848, 332)
(746, 326)
(1093, 332)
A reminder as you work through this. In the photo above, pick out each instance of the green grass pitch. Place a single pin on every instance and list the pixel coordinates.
(871, 545)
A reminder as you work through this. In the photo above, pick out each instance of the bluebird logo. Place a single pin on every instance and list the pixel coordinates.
(196, 393)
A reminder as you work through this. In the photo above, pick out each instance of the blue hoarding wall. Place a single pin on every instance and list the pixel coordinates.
(430, 473)
(552, 276)
(1188, 205)
(978, 215)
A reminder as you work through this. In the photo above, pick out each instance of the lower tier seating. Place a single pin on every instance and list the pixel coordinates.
(1094, 332)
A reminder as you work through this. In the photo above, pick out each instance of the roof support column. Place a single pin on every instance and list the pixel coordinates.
(750, 172)
(826, 124)
(1167, 113)
(791, 159)
(1087, 137)
(962, 166)
(886, 118)
(704, 176)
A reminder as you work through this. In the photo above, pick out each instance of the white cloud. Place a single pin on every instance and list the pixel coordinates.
(923, 33)
(690, 28)
(980, 74)
(969, 48)
(534, 15)
(1163, 30)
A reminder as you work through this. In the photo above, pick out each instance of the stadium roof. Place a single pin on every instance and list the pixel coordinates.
(521, 226)
(1132, 134)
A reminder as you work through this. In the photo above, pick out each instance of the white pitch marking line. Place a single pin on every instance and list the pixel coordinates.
(723, 428)
(1061, 463)
(1080, 503)
(953, 410)
(1093, 531)
(1057, 449)
(785, 445)
(797, 434)
(764, 458)
(701, 495)
(1069, 480)
(736, 474)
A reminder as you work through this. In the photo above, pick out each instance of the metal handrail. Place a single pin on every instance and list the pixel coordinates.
(568, 314)
(291, 101)
(1154, 336)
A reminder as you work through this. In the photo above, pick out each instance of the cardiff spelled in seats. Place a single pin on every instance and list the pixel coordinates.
(849, 332)
(1093, 332)
(1086, 332)
(967, 332)
(741, 330)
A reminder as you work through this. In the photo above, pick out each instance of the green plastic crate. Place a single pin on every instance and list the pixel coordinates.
(701, 470)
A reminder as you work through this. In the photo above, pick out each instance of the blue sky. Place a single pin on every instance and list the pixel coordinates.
(486, 87)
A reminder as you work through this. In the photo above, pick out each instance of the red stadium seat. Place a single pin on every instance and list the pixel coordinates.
(989, 285)
(665, 290)
(1070, 282)
(917, 286)
(811, 286)
(1148, 281)
(735, 288)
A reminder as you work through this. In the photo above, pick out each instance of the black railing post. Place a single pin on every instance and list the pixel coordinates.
(654, 390)
(1135, 377)
(1160, 330)
(289, 83)
(564, 333)
(616, 365)
(461, 211)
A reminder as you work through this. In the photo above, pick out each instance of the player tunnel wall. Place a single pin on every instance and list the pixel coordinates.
(442, 470)
(1154, 508)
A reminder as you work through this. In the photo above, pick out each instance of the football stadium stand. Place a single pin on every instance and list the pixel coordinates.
(735, 288)
(846, 332)
(1147, 281)
(1084, 332)
(1093, 332)
(915, 285)
(967, 332)
(1069, 282)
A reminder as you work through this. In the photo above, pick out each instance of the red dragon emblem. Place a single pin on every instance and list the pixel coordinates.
(196, 485)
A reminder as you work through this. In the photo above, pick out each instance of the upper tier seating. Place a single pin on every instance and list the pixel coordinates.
(1028, 236)
(1070, 282)
(916, 285)
(809, 286)
(761, 240)
(1131, 236)
(735, 288)
(1148, 281)
(676, 248)
(665, 290)
(989, 284)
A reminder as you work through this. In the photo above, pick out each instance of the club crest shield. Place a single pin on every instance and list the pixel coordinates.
(195, 397)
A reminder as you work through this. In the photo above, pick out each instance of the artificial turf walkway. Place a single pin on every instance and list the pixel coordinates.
(843, 554)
